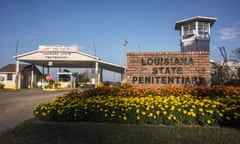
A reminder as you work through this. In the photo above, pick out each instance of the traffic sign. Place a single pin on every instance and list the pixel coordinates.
(48, 77)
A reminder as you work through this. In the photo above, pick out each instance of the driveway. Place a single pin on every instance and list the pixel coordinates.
(17, 106)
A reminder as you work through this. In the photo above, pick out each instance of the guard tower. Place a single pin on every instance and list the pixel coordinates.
(195, 33)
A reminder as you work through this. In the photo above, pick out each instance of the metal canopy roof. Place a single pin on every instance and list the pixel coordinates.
(67, 59)
(210, 20)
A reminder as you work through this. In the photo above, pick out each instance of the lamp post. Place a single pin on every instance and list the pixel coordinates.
(125, 43)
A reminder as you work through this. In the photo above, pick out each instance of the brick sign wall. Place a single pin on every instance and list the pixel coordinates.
(163, 69)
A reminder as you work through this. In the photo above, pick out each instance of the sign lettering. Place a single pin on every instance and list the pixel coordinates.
(167, 70)
(57, 52)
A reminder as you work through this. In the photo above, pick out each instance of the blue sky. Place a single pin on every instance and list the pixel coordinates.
(147, 25)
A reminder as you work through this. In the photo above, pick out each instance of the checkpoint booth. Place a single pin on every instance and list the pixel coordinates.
(60, 56)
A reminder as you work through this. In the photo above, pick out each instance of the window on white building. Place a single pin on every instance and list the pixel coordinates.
(9, 76)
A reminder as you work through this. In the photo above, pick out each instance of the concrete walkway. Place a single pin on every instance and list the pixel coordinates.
(17, 106)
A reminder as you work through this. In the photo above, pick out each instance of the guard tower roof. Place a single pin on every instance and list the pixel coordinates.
(211, 20)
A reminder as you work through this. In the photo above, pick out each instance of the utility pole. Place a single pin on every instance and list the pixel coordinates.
(125, 43)
(16, 49)
(17, 68)
(95, 52)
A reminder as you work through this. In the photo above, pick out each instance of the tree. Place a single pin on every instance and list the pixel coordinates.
(81, 77)
(237, 54)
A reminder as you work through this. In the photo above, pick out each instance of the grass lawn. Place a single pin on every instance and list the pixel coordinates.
(34, 131)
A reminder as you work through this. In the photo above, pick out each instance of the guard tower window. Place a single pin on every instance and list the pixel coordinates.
(189, 30)
(203, 29)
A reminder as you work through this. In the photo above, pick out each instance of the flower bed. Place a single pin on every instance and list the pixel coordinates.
(139, 92)
(136, 106)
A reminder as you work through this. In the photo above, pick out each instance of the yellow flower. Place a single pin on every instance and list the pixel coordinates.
(174, 118)
(112, 115)
(236, 114)
(150, 115)
(201, 103)
(124, 118)
(200, 109)
(152, 107)
(137, 110)
(158, 112)
(210, 111)
(213, 106)
(138, 117)
(209, 121)
(228, 118)
(228, 109)
(143, 113)
(220, 114)
(184, 112)
(169, 117)
(172, 108)
(179, 109)
(44, 114)
(164, 112)
(147, 108)
(193, 114)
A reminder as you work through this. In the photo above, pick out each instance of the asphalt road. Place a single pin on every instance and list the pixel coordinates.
(17, 106)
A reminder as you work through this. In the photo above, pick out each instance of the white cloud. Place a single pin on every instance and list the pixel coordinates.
(229, 34)
(238, 22)
(80, 47)
(31, 37)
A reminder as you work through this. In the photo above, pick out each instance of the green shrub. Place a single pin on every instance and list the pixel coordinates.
(1, 86)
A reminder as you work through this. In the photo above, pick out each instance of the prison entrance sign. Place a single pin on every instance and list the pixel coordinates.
(165, 69)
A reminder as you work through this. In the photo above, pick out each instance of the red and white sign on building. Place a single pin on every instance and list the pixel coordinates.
(58, 48)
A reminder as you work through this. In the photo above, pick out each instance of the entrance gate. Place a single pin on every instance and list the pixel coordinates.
(58, 56)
